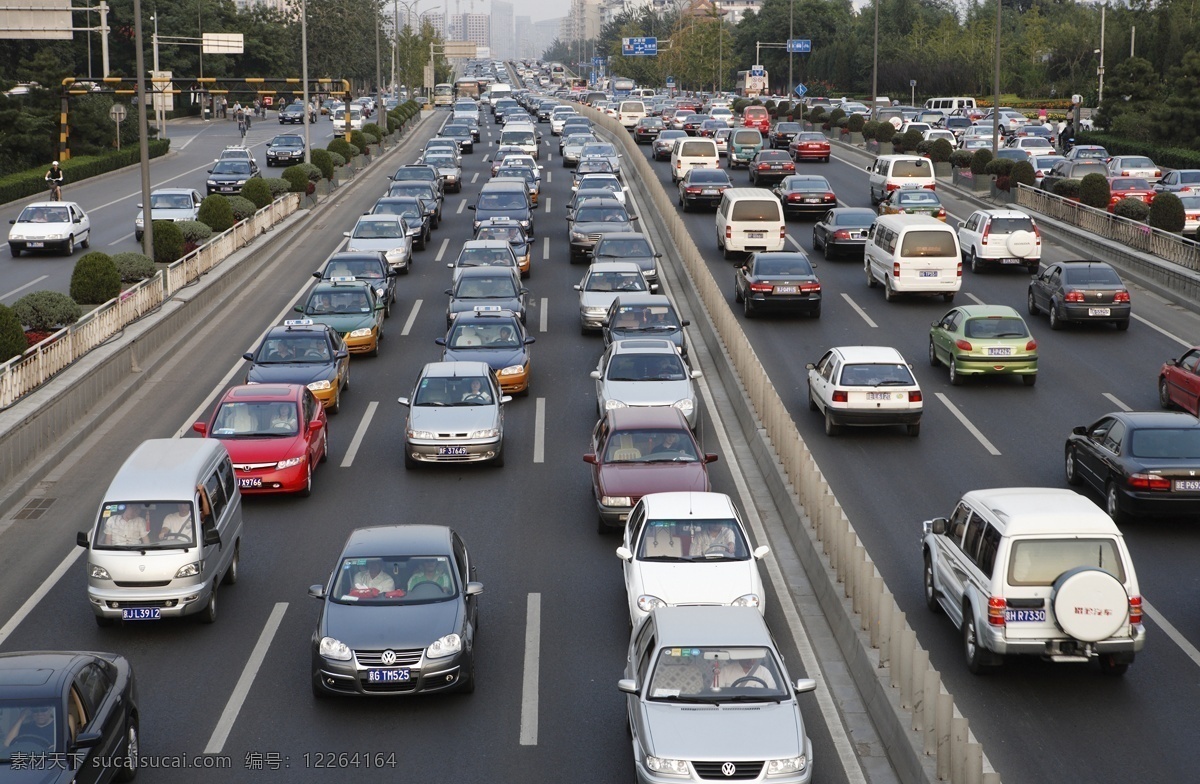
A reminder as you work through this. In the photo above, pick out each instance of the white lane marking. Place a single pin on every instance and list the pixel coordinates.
(545, 249)
(1117, 401)
(474, 178)
(43, 589)
(359, 434)
(547, 205)
(442, 250)
(1188, 649)
(795, 242)
(189, 141)
(545, 316)
(119, 240)
(462, 205)
(860, 311)
(529, 684)
(975, 299)
(36, 281)
(549, 177)
(485, 158)
(961, 417)
(1160, 330)
(539, 431)
(412, 317)
(242, 688)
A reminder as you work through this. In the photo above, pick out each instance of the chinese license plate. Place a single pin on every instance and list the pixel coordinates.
(999, 351)
(452, 451)
(226, 189)
(755, 235)
(858, 235)
(250, 481)
(812, 201)
(389, 676)
(1010, 261)
(38, 244)
(1018, 616)
(776, 166)
(709, 192)
(786, 289)
(927, 273)
(1099, 312)
(141, 614)
(1187, 485)
(879, 396)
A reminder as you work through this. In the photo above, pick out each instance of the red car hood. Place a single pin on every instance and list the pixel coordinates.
(638, 479)
(263, 450)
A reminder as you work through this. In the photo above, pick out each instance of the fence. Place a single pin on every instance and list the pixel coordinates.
(946, 734)
(21, 375)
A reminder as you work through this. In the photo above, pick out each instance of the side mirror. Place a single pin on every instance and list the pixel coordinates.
(697, 374)
(685, 323)
(805, 685)
(86, 740)
(809, 366)
(343, 354)
(589, 458)
(450, 292)
(658, 255)
(624, 553)
(629, 685)
(248, 357)
(200, 428)
(139, 205)
(474, 589)
(506, 399)
(710, 457)
(209, 171)
(318, 275)
(211, 536)
(760, 552)
(471, 207)
(596, 375)
(81, 538)
(530, 339)
(316, 591)
(577, 287)
(633, 218)
(440, 341)
(315, 425)
(1079, 431)
(939, 525)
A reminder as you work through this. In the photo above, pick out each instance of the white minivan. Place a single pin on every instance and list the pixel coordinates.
(896, 172)
(629, 112)
(912, 254)
(951, 104)
(749, 220)
(693, 153)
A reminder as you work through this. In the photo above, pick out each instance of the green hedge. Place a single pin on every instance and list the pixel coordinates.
(216, 213)
(341, 147)
(12, 336)
(960, 159)
(1170, 157)
(1167, 213)
(242, 208)
(32, 182)
(278, 185)
(323, 160)
(1094, 191)
(979, 162)
(885, 133)
(1134, 209)
(257, 191)
(135, 266)
(168, 241)
(196, 232)
(47, 311)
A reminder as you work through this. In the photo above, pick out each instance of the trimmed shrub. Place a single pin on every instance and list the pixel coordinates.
(979, 161)
(354, 151)
(168, 242)
(940, 151)
(215, 212)
(32, 182)
(195, 232)
(12, 336)
(1134, 209)
(323, 160)
(923, 147)
(1169, 157)
(855, 123)
(999, 166)
(1003, 182)
(1068, 188)
(242, 208)
(869, 129)
(341, 147)
(1166, 213)
(297, 179)
(960, 159)
(358, 139)
(370, 138)
(817, 115)
(1023, 173)
(909, 140)
(94, 280)
(836, 115)
(133, 267)
(885, 133)
(1094, 192)
(371, 129)
(46, 311)
(278, 186)
(258, 192)
(338, 159)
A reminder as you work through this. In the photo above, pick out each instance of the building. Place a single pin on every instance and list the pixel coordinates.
(503, 34)
(277, 5)
(582, 23)
(477, 28)
(541, 35)
(437, 20)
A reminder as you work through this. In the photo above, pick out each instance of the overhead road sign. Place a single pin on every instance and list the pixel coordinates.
(40, 19)
(799, 45)
(639, 47)
(223, 43)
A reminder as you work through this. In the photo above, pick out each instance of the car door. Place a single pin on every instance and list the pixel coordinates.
(949, 569)
(634, 529)
(599, 444)
(1041, 286)
(466, 574)
(316, 441)
(820, 378)
(1183, 383)
(97, 709)
(945, 334)
(602, 368)
(1091, 460)
(969, 231)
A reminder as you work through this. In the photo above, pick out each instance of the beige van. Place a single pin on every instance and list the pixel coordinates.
(168, 532)
(913, 254)
(692, 153)
(629, 112)
(897, 172)
(749, 220)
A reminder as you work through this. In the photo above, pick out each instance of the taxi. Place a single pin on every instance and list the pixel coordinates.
(509, 230)
(352, 309)
(301, 351)
(490, 334)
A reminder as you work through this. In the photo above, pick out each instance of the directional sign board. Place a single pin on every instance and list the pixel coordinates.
(597, 61)
(670, 81)
(223, 43)
(639, 47)
(799, 45)
(757, 70)
(801, 90)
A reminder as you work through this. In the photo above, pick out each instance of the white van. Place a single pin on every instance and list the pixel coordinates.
(950, 104)
(913, 254)
(168, 532)
(693, 153)
(525, 136)
(748, 220)
(629, 112)
(894, 172)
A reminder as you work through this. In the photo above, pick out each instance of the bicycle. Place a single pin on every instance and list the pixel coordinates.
(242, 129)
(55, 190)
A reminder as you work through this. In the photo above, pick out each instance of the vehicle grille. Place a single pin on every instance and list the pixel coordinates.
(390, 688)
(452, 436)
(409, 658)
(594, 237)
(113, 605)
(742, 770)
(154, 584)
(252, 466)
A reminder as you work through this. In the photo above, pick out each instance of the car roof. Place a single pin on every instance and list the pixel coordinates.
(454, 369)
(39, 674)
(869, 354)
(1043, 510)
(642, 299)
(645, 418)
(481, 272)
(398, 540)
(988, 311)
(1155, 419)
(1001, 212)
(264, 392)
(161, 469)
(601, 201)
(174, 191)
(356, 255)
(644, 346)
(612, 266)
(380, 217)
(485, 244)
(710, 626)
(693, 505)
(1084, 263)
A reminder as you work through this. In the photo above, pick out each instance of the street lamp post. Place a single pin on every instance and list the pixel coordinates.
(791, 56)
(875, 69)
(304, 74)
(996, 85)
(143, 131)
(1100, 70)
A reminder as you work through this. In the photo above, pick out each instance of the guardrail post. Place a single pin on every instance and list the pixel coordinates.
(874, 609)
(933, 687)
(973, 762)
(903, 669)
(945, 713)
(959, 735)
(920, 668)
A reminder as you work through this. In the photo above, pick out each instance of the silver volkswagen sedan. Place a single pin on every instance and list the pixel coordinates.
(455, 415)
(601, 285)
(645, 372)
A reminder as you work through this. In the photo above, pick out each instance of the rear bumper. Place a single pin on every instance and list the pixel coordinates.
(1082, 312)
(995, 641)
(873, 418)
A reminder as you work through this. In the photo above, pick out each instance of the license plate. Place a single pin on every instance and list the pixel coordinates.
(250, 481)
(755, 235)
(1026, 616)
(35, 244)
(999, 351)
(1010, 261)
(1187, 485)
(451, 451)
(927, 274)
(776, 167)
(786, 289)
(812, 201)
(709, 192)
(1099, 312)
(226, 190)
(389, 676)
(141, 614)
(859, 235)
(879, 396)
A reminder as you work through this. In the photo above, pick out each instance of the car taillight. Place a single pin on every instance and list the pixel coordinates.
(841, 234)
(830, 197)
(958, 270)
(1113, 199)
(1157, 173)
(1135, 609)
(783, 232)
(932, 186)
(941, 213)
(1149, 482)
(1037, 234)
(1121, 296)
(840, 396)
(810, 288)
(914, 397)
(761, 287)
(693, 189)
(793, 197)
(1124, 174)
(996, 608)
(895, 269)
(891, 186)
(963, 345)
(986, 231)
(1074, 296)
(764, 166)
(728, 232)
(1031, 345)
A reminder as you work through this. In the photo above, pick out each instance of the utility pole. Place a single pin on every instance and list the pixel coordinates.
(380, 114)
(1100, 70)
(996, 101)
(143, 131)
(791, 56)
(875, 68)
(304, 75)
(104, 37)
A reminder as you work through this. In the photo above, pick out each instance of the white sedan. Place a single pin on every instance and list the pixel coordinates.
(169, 204)
(50, 225)
(688, 548)
(864, 385)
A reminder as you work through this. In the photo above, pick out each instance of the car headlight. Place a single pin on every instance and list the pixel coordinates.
(749, 600)
(524, 224)
(615, 500)
(379, 292)
(360, 333)
(426, 434)
(609, 405)
(16, 235)
(58, 236)
(334, 649)
(512, 370)
(317, 386)
(578, 237)
(646, 602)
(789, 765)
(490, 432)
(444, 646)
(189, 570)
(290, 462)
(595, 311)
(685, 405)
(138, 220)
(241, 182)
(674, 767)
(212, 182)
(98, 572)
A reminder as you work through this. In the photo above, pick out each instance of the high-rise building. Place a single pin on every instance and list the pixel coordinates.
(437, 20)
(278, 5)
(544, 33)
(504, 46)
(476, 28)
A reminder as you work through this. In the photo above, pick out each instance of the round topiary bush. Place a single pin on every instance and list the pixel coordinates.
(195, 232)
(855, 123)
(371, 129)
(94, 280)
(834, 116)
(258, 192)
(168, 242)
(370, 138)
(1167, 213)
(910, 139)
(1068, 188)
(354, 151)
(12, 335)
(215, 213)
(242, 208)
(999, 167)
(341, 147)
(869, 129)
(278, 186)
(358, 140)
(1094, 191)
(297, 178)
(323, 160)
(979, 161)
(45, 311)
(885, 133)
(337, 158)
(960, 159)
(1134, 209)
(133, 267)
(817, 115)
(940, 151)
(923, 147)
(1022, 172)
(312, 171)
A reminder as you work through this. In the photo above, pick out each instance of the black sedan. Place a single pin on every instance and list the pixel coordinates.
(229, 176)
(285, 149)
(292, 114)
(486, 287)
(647, 129)
(702, 187)
(1145, 463)
(843, 230)
(771, 166)
(364, 265)
(398, 615)
(782, 134)
(1076, 291)
(461, 134)
(68, 716)
(804, 194)
(782, 280)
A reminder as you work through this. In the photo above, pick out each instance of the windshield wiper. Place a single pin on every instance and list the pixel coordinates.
(665, 558)
(749, 698)
(693, 700)
(679, 459)
(894, 382)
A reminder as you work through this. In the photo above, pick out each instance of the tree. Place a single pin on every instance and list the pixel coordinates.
(1133, 89)
(1176, 118)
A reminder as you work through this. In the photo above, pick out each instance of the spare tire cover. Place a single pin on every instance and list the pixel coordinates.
(1021, 244)
(1089, 604)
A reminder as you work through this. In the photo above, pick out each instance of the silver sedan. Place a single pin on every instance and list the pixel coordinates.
(645, 372)
(455, 415)
(601, 285)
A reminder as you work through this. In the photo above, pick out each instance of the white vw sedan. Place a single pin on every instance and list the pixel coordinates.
(50, 225)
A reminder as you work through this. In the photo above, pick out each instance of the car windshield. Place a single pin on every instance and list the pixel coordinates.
(651, 446)
(485, 257)
(644, 317)
(1092, 276)
(453, 391)
(1091, 152)
(440, 160)
(231, 167)
(36, 723)
(415, 188)
(501, 201)
(499, 335)
(491, 287)
(757, 210)
(287, 141)
(300, 348)
(1129, 161)
(614, 281)
(593, 165)
(511, 234)
(646, 367)
(1190, 202)
(45, 215)
(363, 269)
(1189, 177)
(171, 201)
(774, 155)
(716, 539)
(996, 327)
(877, 374)
(145, 525)
(415, 174)
(268, 419)
(1009, 225)
(518, 171)
(344, 302)
(1042, 561)
(789, 264)
(394, 580)
(603, 181)
(588, 214)
(403, 209)
(921, 198)
(620, 249)
(379, 230)
(716, 675)
(747, 137)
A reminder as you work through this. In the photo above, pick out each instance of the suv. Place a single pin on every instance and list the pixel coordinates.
(1034, 570)
(1000, 237)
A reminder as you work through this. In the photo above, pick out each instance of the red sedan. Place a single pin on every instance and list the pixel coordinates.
(1128, 188)
(275, 433)
(1179, 382)
(809, 146)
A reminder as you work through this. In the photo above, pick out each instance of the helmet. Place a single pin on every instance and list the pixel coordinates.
(55, 163)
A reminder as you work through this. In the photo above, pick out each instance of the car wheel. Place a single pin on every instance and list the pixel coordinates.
(231, 574)
(325, 447)
(914, 429)
(724, 250)
(933, 357)
(408, 458)
(971, 650)
(209, 613)
(737, 293)
(1031, 304)
(948, 297)
(1164, 393)
(128, 768)
(1029, 380)
(306, 491)
(815, 312)
(375, 351)
(70, 249)
(1055, 321)
(812, 404)
(976, 264)
(602, 528)
(930, 591)
(1111, 665)
(498, 460)
(871, 282)
(1071, 468)
(955, 378)
(831, 429)
(1112, 503)
(137, 236)
(748, 307)
(889, 294)
(387, 308)
(1123, 325)
(336, 405)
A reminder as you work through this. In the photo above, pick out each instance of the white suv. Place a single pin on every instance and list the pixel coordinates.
(1038, 571)
(1000, 237)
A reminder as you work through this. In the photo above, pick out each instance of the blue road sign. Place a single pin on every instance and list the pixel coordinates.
(597, 61)
(639, 47)
(757, 70)
(801, 90)
(670, 81)
(799, 45)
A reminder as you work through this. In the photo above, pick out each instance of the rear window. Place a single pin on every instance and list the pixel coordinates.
(632, 106)
(697, 148)
(906, 168)
(1041, 561)
(1189, 176)
(876, 375)
(1009, 225)
(931, 243)
(1092, 276)
(755, 111)
(1164, 444)
(747, 137)
(756, 210)
(1003, 327)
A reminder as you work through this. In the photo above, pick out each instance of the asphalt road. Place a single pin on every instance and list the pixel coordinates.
(1037, 721)
(530, 528)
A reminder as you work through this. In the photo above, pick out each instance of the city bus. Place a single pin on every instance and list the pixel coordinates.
(443, 94)
(467, 87)
(621, 87)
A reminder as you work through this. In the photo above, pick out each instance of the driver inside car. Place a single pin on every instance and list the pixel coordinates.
(750, 672)
(715, 538)
(178, 524)
(430, 571)
(35, 725)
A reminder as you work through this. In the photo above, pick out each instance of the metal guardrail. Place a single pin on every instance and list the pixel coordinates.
(1135, 235)
(41, 362)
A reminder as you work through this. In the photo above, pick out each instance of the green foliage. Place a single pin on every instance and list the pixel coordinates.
(323, 160)
(341, 147)
(257, 192)
(940, 151)
(1167, 213)
(869, 128)
(1023, 172)
(885, 133)
(1136, 79)
(311, 171)
(196, 232)
(12, 336)
(999, 166)
(1094, 191)
(909, 140)
(95, 279)
(45, 311)
(979, 161)
(168, 241)
(297, 178)
(359, 140)
(370, 138)
(32, 182)
(133, 267)
(242, 208)
(216, 213)
(1134, 209)
(337, 159)
(1169, 157)
(1067, 188)
(1176, 117)
(817, 115)
(961, 159)
(354, 150)
(278, 185)
(834, 116)
(855, 123)
(371, 129)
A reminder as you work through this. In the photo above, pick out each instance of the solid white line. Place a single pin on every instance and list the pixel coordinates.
(539, 431)
(359, 434)
(36, 281)
(442, 250)
(462, 205)
(408, 325)
(529, 684)
(1117, 401)
(1188, 649)
(860, 311)
(545, 314)
(1156, 328)
(976, 300)
(961, 417)
(40, 593)
(545, 249)
(119, 240)
(547, 204)
(474, 178)
(795, 242)
(242, 688)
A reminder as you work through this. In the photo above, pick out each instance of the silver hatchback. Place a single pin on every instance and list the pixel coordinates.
(455, 415)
